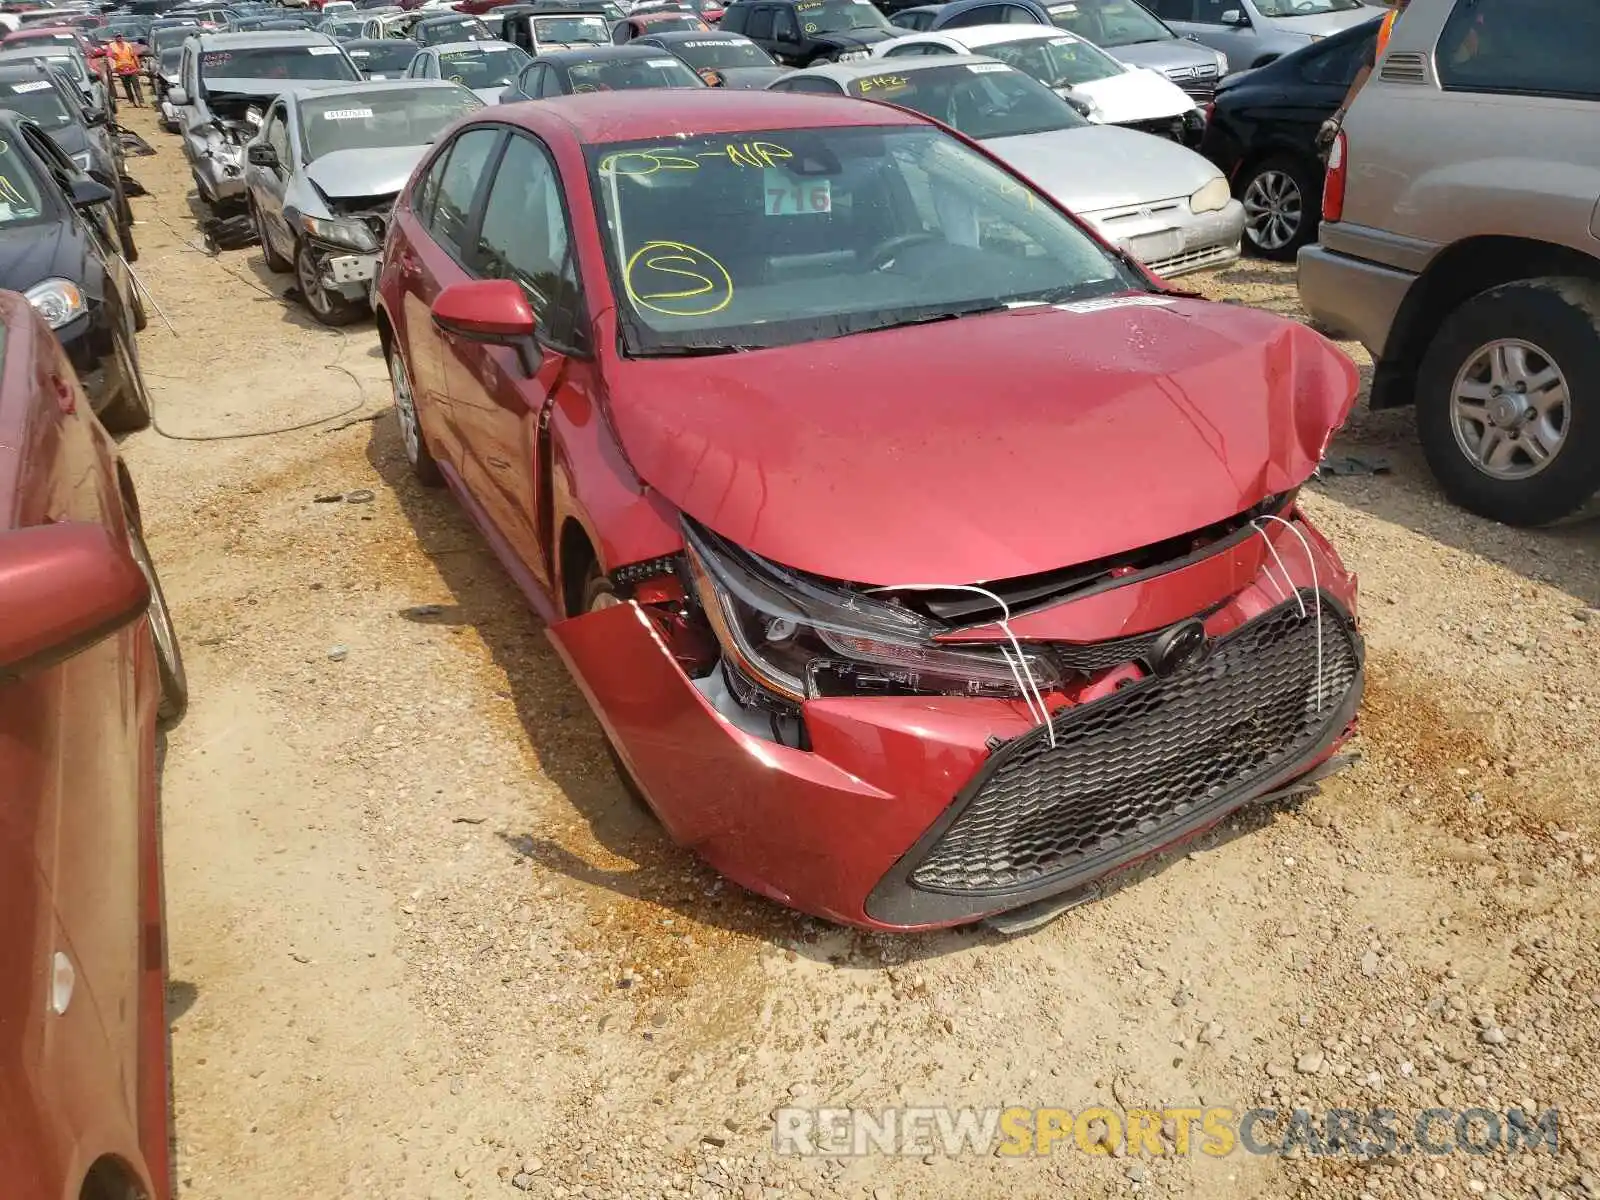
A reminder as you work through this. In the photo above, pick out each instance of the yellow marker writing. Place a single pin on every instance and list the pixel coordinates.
(677, 280)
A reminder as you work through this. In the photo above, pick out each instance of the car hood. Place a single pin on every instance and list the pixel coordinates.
(72, 139)
(749, 79)
(30, 254)
(1322, 23)
(1165, 55)
(491, 95)
(991, 447)
(1136, 95)
(1100, 166)
(368, 172)
(855, 37)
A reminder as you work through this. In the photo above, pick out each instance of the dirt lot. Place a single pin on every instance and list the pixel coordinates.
(423, 946)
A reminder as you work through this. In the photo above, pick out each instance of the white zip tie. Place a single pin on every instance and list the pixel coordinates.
(1316, 586)
(1020, 671)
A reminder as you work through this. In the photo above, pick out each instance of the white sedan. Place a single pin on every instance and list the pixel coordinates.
(1104, 90)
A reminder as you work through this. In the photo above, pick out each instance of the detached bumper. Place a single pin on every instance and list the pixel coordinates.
(900, 816)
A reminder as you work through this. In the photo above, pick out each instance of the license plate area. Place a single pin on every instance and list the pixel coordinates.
(1153, 247)
(353, 268)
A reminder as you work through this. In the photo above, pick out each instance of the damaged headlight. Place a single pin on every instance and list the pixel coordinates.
(801, 637)
(58, 301)
(1213, 196)
(352, 234)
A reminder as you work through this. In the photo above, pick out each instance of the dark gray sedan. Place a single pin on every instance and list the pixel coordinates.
(728, 60)
(600, 69)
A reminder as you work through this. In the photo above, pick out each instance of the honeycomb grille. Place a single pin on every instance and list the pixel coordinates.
(1156, 755)
(1090, 657)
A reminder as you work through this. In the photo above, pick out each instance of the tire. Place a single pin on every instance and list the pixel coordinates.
(169, 656)
(129, 409)
(328, 308)
(422, 463)
(1540, 325)
(130, 251)
(598, 594)
(276, 263)
(141, 318)
(1282, 198)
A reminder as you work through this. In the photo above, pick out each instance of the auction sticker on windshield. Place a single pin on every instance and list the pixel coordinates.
(791, 197)
(33, 85)
(986, 68)
(322, 49)
(660, 62)
(347, 114)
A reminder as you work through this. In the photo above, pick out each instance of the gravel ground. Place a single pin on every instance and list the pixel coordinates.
(423, 946)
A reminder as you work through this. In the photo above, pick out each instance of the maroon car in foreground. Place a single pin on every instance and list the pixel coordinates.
(923, 558)
(88, 668)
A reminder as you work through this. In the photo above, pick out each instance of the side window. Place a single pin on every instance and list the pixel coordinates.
(809, 83)
(989, 14)
(787, 27)
(277, 136)
(458, 185)
(1529, 47)
(917, 49)
(1338, 65)
(521, 33)
(761, 24)
(1015, 14)
(1172, 10)
(1210, 12)
(524, 235)
(550, 83)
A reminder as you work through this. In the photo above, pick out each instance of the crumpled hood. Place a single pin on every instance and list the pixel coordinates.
(30, 254)
(1102, 166)
(990, 447)
(1136, 95)
(378, 172)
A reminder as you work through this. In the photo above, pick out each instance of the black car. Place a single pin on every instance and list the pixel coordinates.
(728, 60)
(381, 58)
(601, 69)
(450, 27)
(916, 19)
(1262, 131)
(48, 98)
(801, 32)
(55, 248)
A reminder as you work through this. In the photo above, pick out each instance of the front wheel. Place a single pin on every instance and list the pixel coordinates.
(276, 262)
(1507, 397)
(405, 415)
(129, 409)
(1281, 198)
(325, 303)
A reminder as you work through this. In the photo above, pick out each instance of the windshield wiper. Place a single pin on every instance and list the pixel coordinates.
(928, 318)
(694, 351)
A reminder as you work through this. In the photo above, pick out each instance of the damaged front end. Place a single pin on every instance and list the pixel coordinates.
(931, 754)
(219, 147)
(345, 244)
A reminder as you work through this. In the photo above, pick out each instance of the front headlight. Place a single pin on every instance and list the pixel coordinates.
(82, 160)
(58, 301)
(353, 234)
(1222, 62)
(1212, 197)
(801, 637)
(853, 56)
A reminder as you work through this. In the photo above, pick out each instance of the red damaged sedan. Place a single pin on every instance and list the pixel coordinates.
(923, 558)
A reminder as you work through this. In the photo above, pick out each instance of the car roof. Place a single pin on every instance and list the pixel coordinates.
(368, 43)
(849, 72)
(566, 58)
(23, 68)
(279, 37)
(453, 17)
(673, 36)
(925, 8)
(487, 43)
(600, 118)
(33, 31)
(989, 35)
(669, 14)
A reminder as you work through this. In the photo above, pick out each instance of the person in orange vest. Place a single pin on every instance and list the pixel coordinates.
(1330, 127)
(125, 62)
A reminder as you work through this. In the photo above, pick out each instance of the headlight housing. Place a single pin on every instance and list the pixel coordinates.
(1211, 197)
(853, 56)
(58, 301)
(82, 159)
(800, 637)
(1222, 62)
(352, 234)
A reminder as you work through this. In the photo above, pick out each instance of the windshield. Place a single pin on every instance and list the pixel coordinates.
(725, 52)
(391, 117)
(391, 57)
(463, 29)
(38, 100)
(1304, 8)
(171, 59)
(345, 27)
(19, 194)
(592, 31)
(1109, 22)
(836, 16)
(482, 68)
(164, 39)
(800, 234)
(982, 100)
(623, 74)
(66, 62)
(276, 62)
(683, 24)
(1056, 62)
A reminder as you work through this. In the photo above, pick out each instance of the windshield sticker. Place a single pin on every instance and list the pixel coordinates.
(1062, 41)
(811, 26)
(883, 84)
(677, 280)
(322, 49)
(707, 45)
(986, 68)
(659, 62)
(808, 5)
(37, 85)
(1055, 8)
(361, 54)
(1090, 306)
(791, 197)
(347, 114)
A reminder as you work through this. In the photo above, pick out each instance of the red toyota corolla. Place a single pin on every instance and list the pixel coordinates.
(923, 558)
(88, 667)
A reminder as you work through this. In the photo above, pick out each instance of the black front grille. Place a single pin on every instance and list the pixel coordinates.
(1167, 127)
(1202, 91)
(1150, 761)
(1090, 657)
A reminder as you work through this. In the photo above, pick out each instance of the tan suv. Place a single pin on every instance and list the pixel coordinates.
(1460, 243)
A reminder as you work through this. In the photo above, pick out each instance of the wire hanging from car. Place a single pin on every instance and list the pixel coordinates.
(1316, 586)
(1020, 671)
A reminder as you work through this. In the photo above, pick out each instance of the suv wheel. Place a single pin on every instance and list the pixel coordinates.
(1507, 401)
(1280, 196)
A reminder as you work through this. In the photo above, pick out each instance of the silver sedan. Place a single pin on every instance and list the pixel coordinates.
(1161, 202)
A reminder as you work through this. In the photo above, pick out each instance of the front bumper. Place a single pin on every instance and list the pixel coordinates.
(1169, 239)
(901, 816)
(1350, 295)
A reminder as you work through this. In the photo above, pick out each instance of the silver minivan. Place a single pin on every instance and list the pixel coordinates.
(1460, 243)
(1253, 32)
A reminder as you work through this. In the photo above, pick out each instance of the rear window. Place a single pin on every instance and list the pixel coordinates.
(571, 30)
(713, 53)
(482, 68)
(38, 100)
(277, 62)
(623, 74)
(1526, 47)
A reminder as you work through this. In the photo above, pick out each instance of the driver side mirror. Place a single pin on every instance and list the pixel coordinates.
(493, 311)
(1234, 16)
(177, 97)
(63, 588)
(1079, 104)
(86, 193)
(261, 155)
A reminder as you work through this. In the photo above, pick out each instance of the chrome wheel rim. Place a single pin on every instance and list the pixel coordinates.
(1273, 209)
(310, 286)
(405, 409)
(1510, 409)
